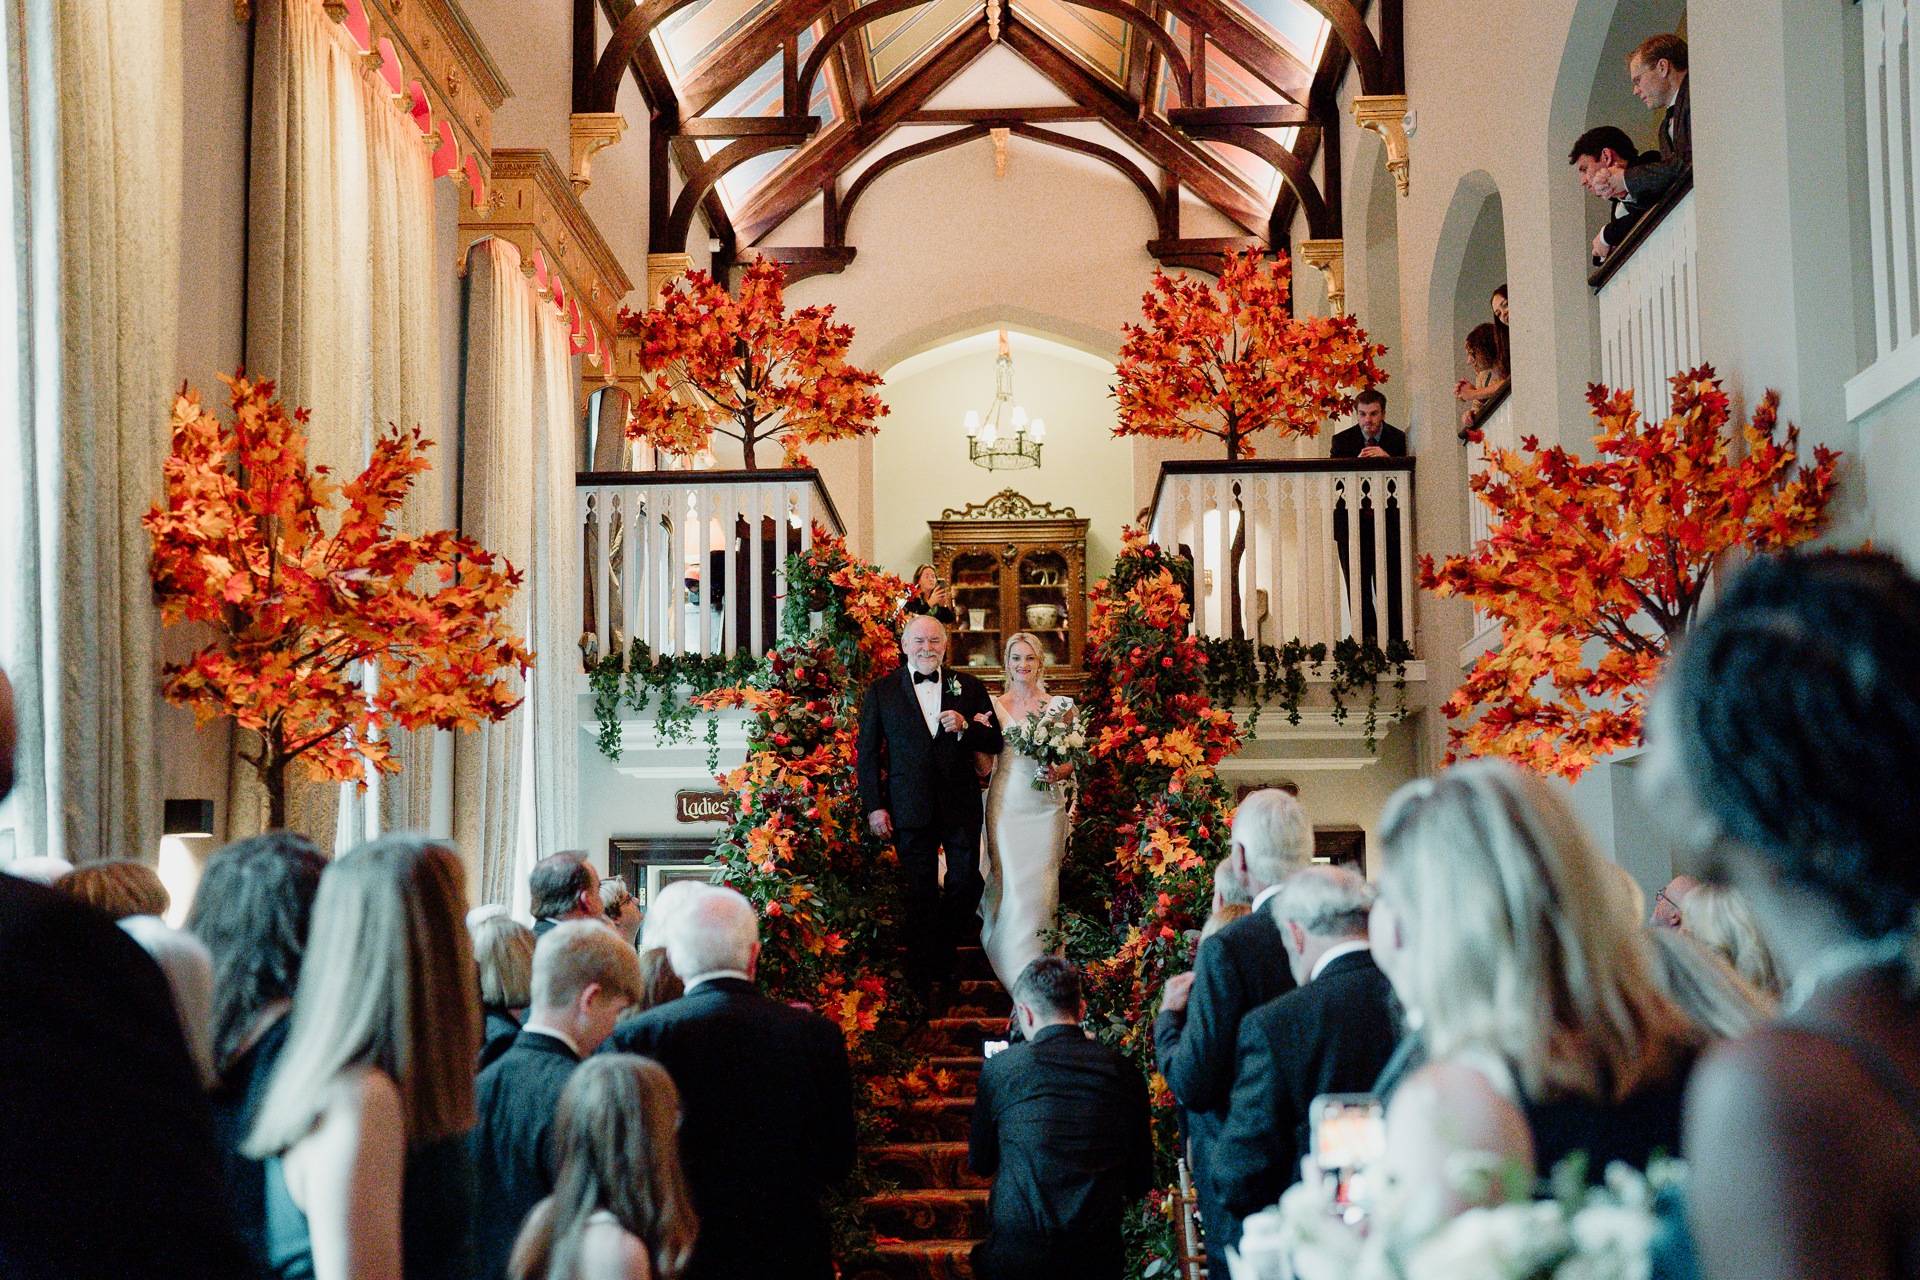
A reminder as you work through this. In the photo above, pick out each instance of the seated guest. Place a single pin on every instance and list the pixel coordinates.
(1497, 304)
(251, 910)
(619, 1209)
(120, 887)
(563, 887)
(1788, 729)
(1061, 1125)
(364, 1124)
(658, 982)
(1706, 988)
(1483, 353)
(930, 597)
(621, 908)
(1666, 903)
(503, 953)
(768, 1099)
(584, 977)
(1371, 435)
(1658, 69)
(1718, 918)
(1334, 1033)
(1596, 155)
(1545, 1030)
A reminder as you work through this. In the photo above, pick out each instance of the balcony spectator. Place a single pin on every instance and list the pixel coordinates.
(1596, 154)
(1489, 378)
(1498, 305)
(1658, 69)
(1371, 435)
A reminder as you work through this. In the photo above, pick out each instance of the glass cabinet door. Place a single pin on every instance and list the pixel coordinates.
(977, 606)
(1044, 580)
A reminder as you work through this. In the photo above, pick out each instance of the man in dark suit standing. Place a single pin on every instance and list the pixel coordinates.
(584, 977)
(1239, 968)
(919, 730)
(1060, 1123)
(766, 1099)
(1658, 69)
(563, 887)
(1333, 1034)
(1371, 436)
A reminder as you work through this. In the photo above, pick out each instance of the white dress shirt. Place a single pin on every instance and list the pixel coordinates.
(928, 692)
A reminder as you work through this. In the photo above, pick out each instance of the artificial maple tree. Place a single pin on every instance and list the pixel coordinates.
(240, 544)
(1595, 568)
(1231, 359)
(743, 367)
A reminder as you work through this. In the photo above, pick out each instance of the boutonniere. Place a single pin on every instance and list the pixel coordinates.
(953, 686)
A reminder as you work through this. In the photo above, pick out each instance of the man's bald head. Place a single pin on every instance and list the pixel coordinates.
(715, 929)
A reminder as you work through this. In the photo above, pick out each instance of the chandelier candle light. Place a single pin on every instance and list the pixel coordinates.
(1003, 439)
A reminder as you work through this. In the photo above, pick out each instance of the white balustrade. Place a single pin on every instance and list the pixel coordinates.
(1328, 544)
(1892, 84)
(1650, 311)
(656, 544)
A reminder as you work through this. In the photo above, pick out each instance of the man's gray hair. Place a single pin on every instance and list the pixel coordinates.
(714, 930)
(1326, 902)
(666, 904)
(576, 953)
(1272, 827)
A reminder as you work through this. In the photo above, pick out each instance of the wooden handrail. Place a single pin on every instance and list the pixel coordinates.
(1649, 220)
(771, 475)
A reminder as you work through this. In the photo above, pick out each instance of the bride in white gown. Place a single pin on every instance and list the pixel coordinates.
(1026, 830)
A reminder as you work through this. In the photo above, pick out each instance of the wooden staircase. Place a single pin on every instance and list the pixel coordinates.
(929, 1225)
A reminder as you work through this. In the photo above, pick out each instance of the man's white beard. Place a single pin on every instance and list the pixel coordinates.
(925, 666)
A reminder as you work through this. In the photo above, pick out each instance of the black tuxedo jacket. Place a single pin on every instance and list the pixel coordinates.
(108, 1139)
(1333, 1035)
(922, 778)
(1239, 969)
(1060, 1123)
(1649, 179)
(767, 1123)
(1349, 443)
(516, 1097)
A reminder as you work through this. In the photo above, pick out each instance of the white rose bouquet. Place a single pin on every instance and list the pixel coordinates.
(1049, 738)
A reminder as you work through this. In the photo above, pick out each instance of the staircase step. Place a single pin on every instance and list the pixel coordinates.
(941, 1213)
(920, 1165)
(933, 1120)
(917, 1260)
(973, 964)
(967, 1034)
(965, 1070)
(981, 999)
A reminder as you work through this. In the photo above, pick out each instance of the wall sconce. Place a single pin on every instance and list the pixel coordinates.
(189, 818)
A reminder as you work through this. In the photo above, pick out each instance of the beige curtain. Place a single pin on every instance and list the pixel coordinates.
(118, 72)
(520, 436)
(340, 313)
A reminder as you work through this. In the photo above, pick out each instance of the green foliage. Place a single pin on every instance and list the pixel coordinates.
(1241, 674)
(676, 679)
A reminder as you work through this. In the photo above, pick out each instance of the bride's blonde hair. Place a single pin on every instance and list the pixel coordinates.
(1039, 661)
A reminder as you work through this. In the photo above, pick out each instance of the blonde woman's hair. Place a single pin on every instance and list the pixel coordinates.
(1705, 986)
(503, 950)
(1718, 917)
(387, 984)
(1519, 943)
(1039, 661)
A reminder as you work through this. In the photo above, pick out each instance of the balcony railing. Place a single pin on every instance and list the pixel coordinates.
(691, 562)
(1649, 303)
(1320, 549)
(1893, 200)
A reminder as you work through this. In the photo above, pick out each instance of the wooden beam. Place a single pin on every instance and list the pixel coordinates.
(629, 39)
(802, 262)
(1002, 115)
(1106, 155)
(584, 36)
(894, 159)
(841, 30)
(1157, 34)
(1350, 31)
(1260, 117)
(1297, 172)
(1208, 254)
(700, 181)
(748, 51)
(655, 87)
(1247, 46)
(748, 126)
(1139, 65)
(853, 69)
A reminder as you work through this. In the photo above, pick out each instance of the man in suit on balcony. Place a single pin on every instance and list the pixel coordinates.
(920, 728)
(1370, 436)
(1658, 69)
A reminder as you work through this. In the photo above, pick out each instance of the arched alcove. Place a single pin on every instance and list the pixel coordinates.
(1470, 261)
(1377, 304)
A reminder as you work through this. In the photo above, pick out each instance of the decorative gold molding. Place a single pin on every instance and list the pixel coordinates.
(1329, 257)
(1386, 115)
(993, 20)
(662, 270)
(591, 132)
(1008, 504)
(1000, 137)
(534, 207)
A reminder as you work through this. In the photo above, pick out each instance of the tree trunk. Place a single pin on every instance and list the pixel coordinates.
(274, 778)
(747, 438)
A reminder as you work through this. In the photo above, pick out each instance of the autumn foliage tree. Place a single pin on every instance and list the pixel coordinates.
(241, 545)
(743, 367)
(1593, 569)
(1231, 360)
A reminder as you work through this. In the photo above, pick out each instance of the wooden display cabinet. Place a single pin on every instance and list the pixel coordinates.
(1014, 564)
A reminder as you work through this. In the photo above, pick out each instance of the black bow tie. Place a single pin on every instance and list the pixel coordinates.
(932, 677)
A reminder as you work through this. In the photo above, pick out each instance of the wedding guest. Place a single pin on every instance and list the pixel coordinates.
(1658, 70)
(563, 887)
(1220, 917)
(189, 969)
(1718, 918)
(621, 908)
(1332, 1034)
(503, 953)
(1545, 1030)
(1061, 1125)
(1238, 969)
(1595, 154)
(768, 1099)
(1230, 900)
(364, 1125)
(1787, 730)
(120, 887)
(252, 910)
(658, 982)
(929, 597)
(1371, 435)
(584, 977)
(1706, 988)
(619, 1209)
(1483, 354)
(1666, 904)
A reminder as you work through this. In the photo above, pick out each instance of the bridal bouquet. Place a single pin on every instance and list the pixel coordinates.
(1048, 737)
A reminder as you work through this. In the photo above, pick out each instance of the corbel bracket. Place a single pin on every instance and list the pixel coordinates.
(1329, 258)
(1386, 115)
(592, 131)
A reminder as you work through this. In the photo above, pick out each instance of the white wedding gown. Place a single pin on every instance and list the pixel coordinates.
(1020, 855)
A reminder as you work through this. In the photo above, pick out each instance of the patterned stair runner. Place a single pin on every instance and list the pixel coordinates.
(939, 1210)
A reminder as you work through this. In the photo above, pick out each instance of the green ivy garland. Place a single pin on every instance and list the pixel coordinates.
(1258, 676)
(676, 679)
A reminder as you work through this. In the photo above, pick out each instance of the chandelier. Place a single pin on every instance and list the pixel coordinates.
(1002, 438)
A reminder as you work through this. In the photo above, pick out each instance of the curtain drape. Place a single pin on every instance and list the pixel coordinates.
(517, 499)
(340, 311)
(119, 92)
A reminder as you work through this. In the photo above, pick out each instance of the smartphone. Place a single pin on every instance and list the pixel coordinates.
(1347, 1133)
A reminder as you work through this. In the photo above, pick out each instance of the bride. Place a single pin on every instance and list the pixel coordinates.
(1026, 829)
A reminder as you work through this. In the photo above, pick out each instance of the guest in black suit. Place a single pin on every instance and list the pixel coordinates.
(1371, 436)
(1596, 155)
(1238, 969)
(1658, 69)
(584, 977)
(1333, 1034)
(563, 887)
(767, 1097)
(920, 728)
(1060, 1123)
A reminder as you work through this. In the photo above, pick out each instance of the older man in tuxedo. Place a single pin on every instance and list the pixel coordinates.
(920, 728)
(1238, 969)
(1333, 1034)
